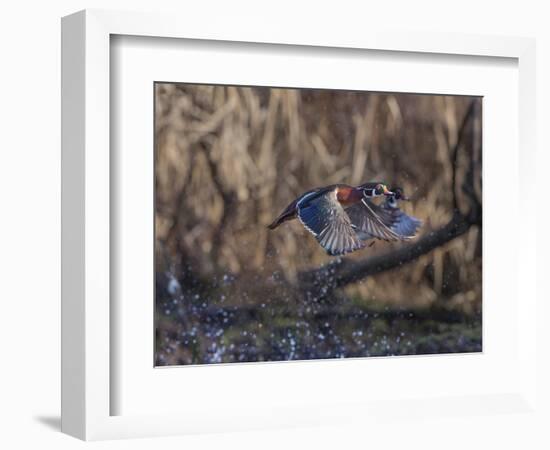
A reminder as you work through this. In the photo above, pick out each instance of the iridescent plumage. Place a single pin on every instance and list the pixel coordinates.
(342, 218)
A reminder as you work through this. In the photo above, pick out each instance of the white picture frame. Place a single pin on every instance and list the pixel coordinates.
(87, 328)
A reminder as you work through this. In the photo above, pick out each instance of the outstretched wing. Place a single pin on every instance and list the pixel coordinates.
(402, 223)
(323, 216)
(371, 221)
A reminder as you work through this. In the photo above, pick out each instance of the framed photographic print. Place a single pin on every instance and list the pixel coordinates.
(249, 246)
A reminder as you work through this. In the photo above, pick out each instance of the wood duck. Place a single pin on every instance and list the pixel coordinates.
(343, 217)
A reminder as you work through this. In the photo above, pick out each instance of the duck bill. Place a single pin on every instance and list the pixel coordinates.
(387, 192)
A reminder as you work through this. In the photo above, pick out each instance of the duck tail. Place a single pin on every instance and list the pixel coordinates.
(274, 224)
(288, 214)
(278, 221)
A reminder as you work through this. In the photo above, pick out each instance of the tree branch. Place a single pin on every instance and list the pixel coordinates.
(343, 272)
(459, 139)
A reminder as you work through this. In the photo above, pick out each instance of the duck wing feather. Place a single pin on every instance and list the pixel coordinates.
(324, 217)
(372, 221)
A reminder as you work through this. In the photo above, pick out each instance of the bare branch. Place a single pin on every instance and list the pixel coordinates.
(343, 272)
(459, 140)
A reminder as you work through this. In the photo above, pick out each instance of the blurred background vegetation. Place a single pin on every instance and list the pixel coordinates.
(229, 159)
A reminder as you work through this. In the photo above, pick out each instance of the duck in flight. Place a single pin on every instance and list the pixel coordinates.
(343, 218)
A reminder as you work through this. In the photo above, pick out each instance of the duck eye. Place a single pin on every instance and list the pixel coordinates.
(379, 189)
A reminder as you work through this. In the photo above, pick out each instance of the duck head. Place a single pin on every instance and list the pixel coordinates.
(371, 190)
